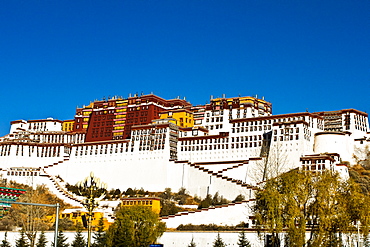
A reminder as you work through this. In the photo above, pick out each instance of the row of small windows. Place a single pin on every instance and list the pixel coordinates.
(152, 147)
(288, 130)
(217, 126)
(334, 129)
(77, 138)
(214, 119)
(360, 118)
(307, 131)
(286, 138)
(246, 138)
(313, 161)
(362, 128)
(360, 122)
(205, 141)
(101, 112)
(40, 151)
(242, 124)
(101, 149)
(148, 131)
(150, 142)
(139, 202)
(222, 146)
(225, 140)
(20, 173)
(138, 108)
(217, 113)
(268, 121)
(238, 115)
(314, 167)
(252, 128)
(5, 150)
(148, 137)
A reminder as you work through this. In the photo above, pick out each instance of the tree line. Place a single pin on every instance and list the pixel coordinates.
(135, 226)
(322, 203)
(106, 239)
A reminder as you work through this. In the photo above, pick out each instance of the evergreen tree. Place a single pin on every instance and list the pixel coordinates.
(192, 244)
(62, 240)
(5, 242)
(42, 240)
(219, 242)
(22, 241)
(99, 235)
(79, 240)
(243, 241)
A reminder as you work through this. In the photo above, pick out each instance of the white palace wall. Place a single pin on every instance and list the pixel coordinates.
(231, 214)
(123, 170)
(335, 142)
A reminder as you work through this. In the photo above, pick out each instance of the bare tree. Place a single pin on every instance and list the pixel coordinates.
(274, 161)
(32, 219)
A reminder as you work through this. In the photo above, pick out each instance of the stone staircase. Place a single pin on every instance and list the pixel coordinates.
(219, 175)
(226, 214)
(65, 158)
(205, 209)
(230, 168)
(58, 187)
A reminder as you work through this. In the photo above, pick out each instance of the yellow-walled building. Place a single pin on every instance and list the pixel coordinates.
(181, 117)
(68, 125)
(75, 215)
(153, 202)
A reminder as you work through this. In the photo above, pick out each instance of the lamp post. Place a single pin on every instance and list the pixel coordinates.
(93, 190)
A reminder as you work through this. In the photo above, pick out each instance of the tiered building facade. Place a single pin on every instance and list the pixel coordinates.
(227, 146)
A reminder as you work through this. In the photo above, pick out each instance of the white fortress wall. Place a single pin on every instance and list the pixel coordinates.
(123, 170)
(147, 170)
(21, 154)
(177, 174)
(335, 142)
(229, 215)
(238, 173)
(200, 183)
(219, 152)
(254, 172)
(216, 167)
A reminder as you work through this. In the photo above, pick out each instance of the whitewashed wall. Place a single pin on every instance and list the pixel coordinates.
(227, 215)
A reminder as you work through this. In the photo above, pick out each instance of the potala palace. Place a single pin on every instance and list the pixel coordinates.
(227, 146)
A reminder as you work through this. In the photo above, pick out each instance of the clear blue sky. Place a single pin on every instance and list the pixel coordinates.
(56, 55)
